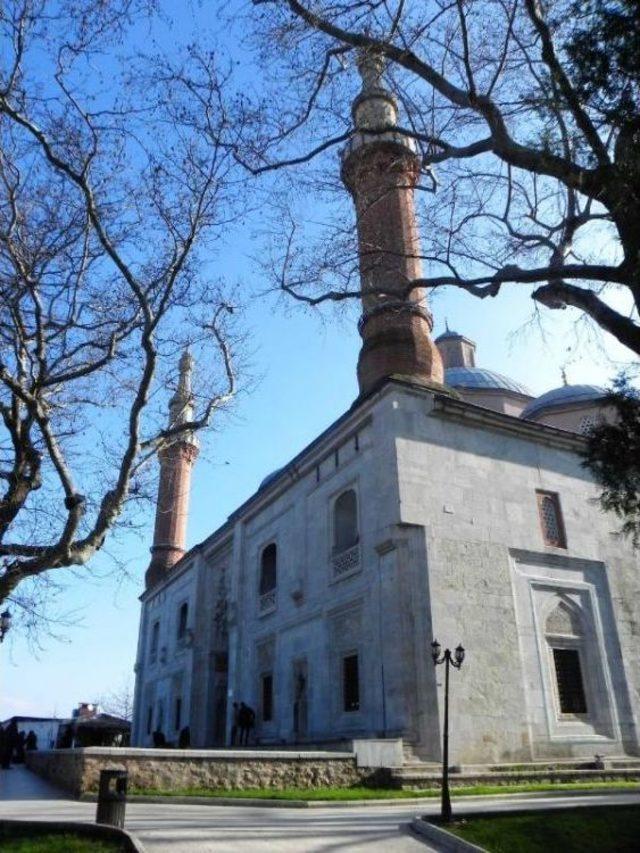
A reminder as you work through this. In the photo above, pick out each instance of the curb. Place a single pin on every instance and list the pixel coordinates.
(445, 841)
(90, 830)
(258, 802)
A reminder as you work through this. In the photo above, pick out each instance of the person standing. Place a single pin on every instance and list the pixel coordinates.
(10, 741)
(244, 723)
(235, 724)
(3, 741)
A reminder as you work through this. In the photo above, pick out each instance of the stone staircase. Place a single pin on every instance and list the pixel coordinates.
(416, 774)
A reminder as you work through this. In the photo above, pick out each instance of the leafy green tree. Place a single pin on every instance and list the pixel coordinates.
(604, 51)
(613, 455)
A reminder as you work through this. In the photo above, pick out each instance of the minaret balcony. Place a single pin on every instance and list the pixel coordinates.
(361, 138)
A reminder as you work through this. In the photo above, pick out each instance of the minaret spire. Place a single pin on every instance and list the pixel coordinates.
(176, 462)
(381, 168)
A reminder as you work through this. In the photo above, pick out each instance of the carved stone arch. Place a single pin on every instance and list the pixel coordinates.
(565, 619)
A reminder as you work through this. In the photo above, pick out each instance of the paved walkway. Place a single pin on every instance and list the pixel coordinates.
(223, 829)
(229, 829)
(19, 784)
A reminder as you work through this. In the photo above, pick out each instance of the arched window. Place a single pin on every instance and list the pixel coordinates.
(345, 521)
(183, 619)
(269, 569)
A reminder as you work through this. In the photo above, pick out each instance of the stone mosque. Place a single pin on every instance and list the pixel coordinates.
(447, 502)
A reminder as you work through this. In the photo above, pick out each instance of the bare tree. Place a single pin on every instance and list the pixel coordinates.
(531, 172)
(115, 171)
(119, 702)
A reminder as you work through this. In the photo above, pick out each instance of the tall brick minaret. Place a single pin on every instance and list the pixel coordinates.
(176, 462)
(380, 168)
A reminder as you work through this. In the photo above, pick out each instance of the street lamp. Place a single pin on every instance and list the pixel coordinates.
(454, 660)
(5, 624)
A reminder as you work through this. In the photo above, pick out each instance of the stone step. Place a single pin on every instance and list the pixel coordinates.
(596, 763)
(412, 776)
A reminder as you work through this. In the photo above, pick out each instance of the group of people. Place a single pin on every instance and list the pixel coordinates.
(14, 744)
(244, 719)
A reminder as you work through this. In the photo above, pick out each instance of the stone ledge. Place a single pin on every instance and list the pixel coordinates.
(410, 776)
(445, 841)
(208, 754)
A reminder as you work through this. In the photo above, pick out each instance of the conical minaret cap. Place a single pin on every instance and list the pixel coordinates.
(375, 107)
(181, 406)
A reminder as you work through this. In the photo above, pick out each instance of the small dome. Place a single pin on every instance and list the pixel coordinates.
(448, 334)
(565, 395)
(477, 378)
(268, 479)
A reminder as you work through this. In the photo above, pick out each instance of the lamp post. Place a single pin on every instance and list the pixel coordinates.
(5, 624)
(454, 660)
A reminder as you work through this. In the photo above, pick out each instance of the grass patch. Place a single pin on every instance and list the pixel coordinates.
(56, 843)
(347, 794)
(587, 830)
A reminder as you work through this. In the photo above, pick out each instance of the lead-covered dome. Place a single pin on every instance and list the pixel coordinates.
(479, 378)
(564, 396)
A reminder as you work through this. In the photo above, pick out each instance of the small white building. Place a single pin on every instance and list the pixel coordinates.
(45, 728)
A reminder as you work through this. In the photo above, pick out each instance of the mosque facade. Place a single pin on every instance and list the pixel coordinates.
(447, 503)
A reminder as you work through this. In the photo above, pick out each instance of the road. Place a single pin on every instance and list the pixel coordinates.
(229, 829)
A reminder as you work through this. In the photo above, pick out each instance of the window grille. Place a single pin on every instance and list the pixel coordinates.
(350, 683)
(588, 423)
(267, 697)
(268, 602)
(346, 561)
(551, 519)
(569, 681)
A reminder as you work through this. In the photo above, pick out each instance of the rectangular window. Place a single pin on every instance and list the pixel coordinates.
(350, 683)
(177, 714)
(569, 680)
(551, 521)
(149, 719)
(267, 697)
(155, 640)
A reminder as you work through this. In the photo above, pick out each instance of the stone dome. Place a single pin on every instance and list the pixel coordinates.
(269, 478)
(565, 395)
(449, 333)
(477, 378)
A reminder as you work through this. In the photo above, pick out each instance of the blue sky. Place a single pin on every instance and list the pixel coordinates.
(304, 364)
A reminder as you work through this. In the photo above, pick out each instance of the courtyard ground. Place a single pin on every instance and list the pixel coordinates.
(250, 829)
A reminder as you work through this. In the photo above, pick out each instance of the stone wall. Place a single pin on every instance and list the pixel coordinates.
(78, 770)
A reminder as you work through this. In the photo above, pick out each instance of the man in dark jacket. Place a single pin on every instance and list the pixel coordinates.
(246, 721)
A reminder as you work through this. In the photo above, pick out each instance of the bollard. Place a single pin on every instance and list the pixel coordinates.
(112, 799)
